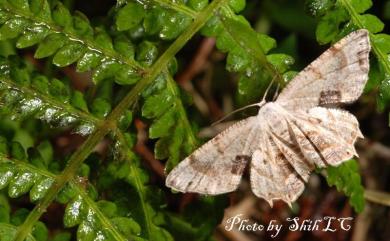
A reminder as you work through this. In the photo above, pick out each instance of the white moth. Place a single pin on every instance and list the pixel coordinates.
(289, 137)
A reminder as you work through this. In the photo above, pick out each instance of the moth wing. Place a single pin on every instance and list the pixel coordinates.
(217, 166)
(293, 144)
(337, 76)
(271, 175)
(325, 136)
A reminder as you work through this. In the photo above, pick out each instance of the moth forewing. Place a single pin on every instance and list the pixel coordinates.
(337, 76)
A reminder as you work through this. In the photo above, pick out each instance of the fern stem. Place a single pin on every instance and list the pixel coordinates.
(110, 123)
(382, 57)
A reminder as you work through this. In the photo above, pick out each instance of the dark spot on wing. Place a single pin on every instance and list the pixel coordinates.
(198, 165)
(329, 97)
(239, 164)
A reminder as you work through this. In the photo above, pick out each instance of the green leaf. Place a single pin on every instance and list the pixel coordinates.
(162, 126)
(382, 41)
(17, 151)
(129, 16)
(12, 28)
(40, 232)
(237, 61)
(108, 208)
(237, 5)
(40, 188)
(198, 4)
(89, 61)
(20, 4)
(347, 179)
(329, 25)
(371, 23)
(267, 43)
(40, 9)
(361, 6)
(126, 76)
(50, 45)
(78, 101)
(59, 90)
(107, 69)
(103, 40)
(62, 16)
(81, 26)
(158, 104)
(317, 8)
(100, 107)
(147, 53)
(4, 214)
(68, 54)
(33, 36)
(173, 25)
(6, 174)
(21, 183)
(74, 212)
(126, 226)
(8, 232)
(62, 237)
(282, 62)
(154, 20)
(124, 46)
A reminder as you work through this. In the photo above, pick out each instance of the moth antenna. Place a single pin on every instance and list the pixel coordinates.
(235, 111)
(266, 91)
(276, 93)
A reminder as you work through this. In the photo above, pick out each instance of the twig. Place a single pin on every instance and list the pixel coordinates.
(378, 197)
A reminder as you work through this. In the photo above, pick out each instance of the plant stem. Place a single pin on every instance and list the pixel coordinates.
(377, 197)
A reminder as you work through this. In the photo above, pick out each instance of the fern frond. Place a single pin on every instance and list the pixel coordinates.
(8, 231)
(94, 218)
(112, 119)
(170, 123)
(247, 54)
(347, 179)
(25, 94)
(70, 39)
(133, 174)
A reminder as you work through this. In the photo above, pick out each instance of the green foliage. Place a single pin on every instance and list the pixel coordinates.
(69, 38)
(347, 179)
(170, 125)
(106, 190)
(95, 219)
(247, 54)
(25, 94)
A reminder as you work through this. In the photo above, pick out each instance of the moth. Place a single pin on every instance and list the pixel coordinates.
(289, 137)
